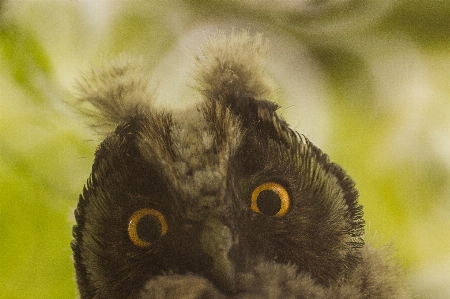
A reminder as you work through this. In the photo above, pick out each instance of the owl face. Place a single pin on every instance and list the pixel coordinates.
(212, 192)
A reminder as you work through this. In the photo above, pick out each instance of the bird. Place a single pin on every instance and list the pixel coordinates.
(222, 199)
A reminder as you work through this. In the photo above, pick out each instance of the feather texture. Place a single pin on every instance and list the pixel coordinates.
(113, 92)
(174, 207)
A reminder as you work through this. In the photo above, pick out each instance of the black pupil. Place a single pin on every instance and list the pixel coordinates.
(148, 228)
(269, 202)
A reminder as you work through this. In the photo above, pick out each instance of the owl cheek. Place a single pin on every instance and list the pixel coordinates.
(262, 238)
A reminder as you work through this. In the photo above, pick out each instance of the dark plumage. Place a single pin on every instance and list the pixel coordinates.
(220, 201)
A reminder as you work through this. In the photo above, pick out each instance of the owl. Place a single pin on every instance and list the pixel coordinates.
(220, 200)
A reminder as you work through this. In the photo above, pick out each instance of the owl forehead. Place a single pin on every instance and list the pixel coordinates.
(194, 157)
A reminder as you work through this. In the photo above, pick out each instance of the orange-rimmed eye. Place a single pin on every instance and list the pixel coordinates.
(146, 226)
(270, 199)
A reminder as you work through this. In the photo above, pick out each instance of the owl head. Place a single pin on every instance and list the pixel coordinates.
(211, 194)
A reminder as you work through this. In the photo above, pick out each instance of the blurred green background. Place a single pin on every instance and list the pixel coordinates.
(367, 81)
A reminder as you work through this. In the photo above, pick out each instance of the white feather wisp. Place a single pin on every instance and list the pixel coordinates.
(233, 65)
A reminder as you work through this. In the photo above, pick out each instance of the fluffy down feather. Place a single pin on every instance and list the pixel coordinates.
(376, 277)
(197, 170)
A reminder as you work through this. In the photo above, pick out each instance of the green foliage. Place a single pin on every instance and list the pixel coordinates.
(24, 58)
(386, 80)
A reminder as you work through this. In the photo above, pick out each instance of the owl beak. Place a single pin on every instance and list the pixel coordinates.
(217, 241)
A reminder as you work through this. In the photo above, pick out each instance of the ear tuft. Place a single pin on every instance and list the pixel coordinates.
(113, 92)
(232, 66)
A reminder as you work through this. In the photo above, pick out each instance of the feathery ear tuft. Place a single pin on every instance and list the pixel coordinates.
(231, 67)
(113, 92)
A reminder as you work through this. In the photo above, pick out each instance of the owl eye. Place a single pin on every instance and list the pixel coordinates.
(270, 199)
(146, 226)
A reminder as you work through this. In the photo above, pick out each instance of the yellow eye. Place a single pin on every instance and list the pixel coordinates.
(146, 226)
(270, 199)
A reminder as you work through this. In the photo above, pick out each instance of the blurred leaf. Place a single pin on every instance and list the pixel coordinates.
(141, 34)
(427, 22)
(35, 242)
(25, 59)
(348, 75)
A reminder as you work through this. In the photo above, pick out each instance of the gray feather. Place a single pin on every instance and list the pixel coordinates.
(191, 177)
